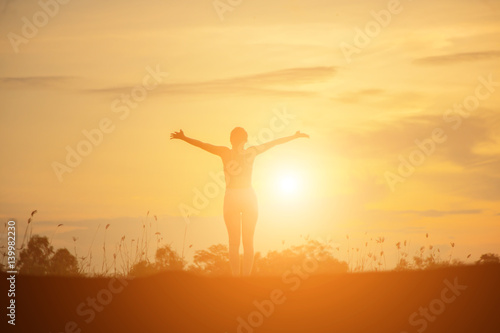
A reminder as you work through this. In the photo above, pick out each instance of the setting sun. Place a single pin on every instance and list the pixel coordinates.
(289, 184)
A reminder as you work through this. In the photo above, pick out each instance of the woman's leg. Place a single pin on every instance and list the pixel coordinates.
(248, 221)
(232, 218)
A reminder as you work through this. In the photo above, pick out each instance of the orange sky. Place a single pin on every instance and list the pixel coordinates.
(362, 112)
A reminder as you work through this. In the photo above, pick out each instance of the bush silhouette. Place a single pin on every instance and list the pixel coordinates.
(35, 259)
(214, 261)
(276, 263)
(166, 259)
(63, 263)
(38, 258)
(489, 258)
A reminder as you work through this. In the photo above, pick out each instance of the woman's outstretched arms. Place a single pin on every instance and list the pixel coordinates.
(268, 145)
(217, 150)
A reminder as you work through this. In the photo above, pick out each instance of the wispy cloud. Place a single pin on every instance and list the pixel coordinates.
(387, 139)
(381, 98)
(440, 213)
(4, 5)
(290, 76)
(383, 142)
(274, 82)
(356, 96)
(33, 81)
(453, 58)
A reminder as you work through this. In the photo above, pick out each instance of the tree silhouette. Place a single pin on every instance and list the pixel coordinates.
(38, 258)
(489, 258)
(35, 258)
(63, 263)
(320, 254)
(143, 268)
(214, 261)
(166, 259)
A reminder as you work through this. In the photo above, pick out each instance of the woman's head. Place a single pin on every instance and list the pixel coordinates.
(239, 136)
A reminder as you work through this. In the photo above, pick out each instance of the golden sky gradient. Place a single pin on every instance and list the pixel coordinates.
(263, 58)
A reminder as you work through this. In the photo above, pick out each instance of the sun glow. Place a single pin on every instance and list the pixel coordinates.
(289, 184)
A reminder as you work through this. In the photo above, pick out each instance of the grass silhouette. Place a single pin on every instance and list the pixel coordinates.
(130, 254)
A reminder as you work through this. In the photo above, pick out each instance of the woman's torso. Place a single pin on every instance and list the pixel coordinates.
(238, 167)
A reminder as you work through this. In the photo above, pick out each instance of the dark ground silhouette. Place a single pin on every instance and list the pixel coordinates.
(181, 302)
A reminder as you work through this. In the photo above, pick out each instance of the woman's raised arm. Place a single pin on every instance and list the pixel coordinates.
(216, 150)
(268, 145)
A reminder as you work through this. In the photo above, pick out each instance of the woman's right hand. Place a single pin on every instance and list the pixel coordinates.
(177, 135)
(299, 134)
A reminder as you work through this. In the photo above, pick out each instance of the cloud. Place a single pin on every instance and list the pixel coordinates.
(380, 143)
(387, 139)
(64, 229)
(394, 230)
(33, 81)
(381, 99)
(475, 184)
(276, 82)
(357, 96)
(4, 4)
(453, 58)
(291, 76)
(440, 213)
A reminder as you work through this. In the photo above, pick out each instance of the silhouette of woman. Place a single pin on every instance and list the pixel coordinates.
(240, 201)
